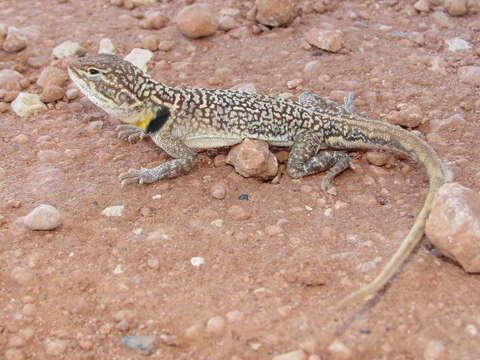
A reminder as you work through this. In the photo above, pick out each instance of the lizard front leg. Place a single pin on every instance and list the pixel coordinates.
(130, 133)
(183, 162)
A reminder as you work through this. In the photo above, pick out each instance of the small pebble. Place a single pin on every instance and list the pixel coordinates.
(28, 309)
(235, 315)
(106, 46)
(154, 21)
(292, 84)
(243, 197)
(275, 13)
(139, 58)
(197, 20)
(469, 75)
(52, 76)
(273, 230)
(20, 139)
(378, 158)
(218, 191)
(422, 5)
(217, 222)
(325, 39)
(219, 160)
(118, 269)
(21, 275)
(48, 156)
(66, 49)
(215, 325)
(26, 104)
(10, 80)
(434, 350)
(150, 42)
(457, 44)
(197, 261)
(238, 213)
(292, 355)
(471, 329)
(193, 332)
(253, 158)
(457, 7)
(27, 333)
(16, 341)
(116, 210)
(339, 351)
(14, 354)
(51, 94)
(43, 217)
(153, 263)
(15, 40)
(14, 204)
(55, 347)
(166, 45)
(143, 343)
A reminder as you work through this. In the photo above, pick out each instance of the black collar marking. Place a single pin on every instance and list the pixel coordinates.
(161, 117)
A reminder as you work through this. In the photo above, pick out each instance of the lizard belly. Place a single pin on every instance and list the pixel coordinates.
(208, 142)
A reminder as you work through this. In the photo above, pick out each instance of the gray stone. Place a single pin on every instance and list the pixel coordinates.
(146, 344)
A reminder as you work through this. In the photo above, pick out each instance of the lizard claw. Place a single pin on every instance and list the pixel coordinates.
(134, 176)
(130, 133)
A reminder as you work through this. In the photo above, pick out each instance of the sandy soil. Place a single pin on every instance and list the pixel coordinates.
(75, 292)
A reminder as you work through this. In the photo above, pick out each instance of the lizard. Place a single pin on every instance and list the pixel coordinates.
(182, 121)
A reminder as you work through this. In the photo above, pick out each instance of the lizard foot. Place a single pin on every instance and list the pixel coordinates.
(134, 176)
(130, 133)
(343, 163)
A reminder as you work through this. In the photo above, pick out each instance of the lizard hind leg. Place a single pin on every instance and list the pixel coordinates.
(305, 159)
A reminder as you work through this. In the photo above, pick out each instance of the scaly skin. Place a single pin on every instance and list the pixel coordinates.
(180, 120)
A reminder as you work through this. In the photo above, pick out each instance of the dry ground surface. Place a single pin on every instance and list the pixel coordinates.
(75, 292)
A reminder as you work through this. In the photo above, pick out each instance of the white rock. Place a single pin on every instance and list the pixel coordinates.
(434, 350)
(339, 351)
(215, 325)
(456, 44)
(139, 58)
(43, 217)
(197, 261)
(469, 75)
(15, 40)
(453, 226)
(55, 347)
(106, 47)
(246, 87)
(292, 355)
(116, 210)
(26, 104)
(65, 49)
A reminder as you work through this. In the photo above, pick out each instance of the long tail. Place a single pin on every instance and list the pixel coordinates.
(359, 132)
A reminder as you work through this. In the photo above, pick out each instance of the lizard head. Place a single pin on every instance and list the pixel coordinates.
(113, 84)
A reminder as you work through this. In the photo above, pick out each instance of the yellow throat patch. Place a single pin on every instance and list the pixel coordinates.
(144, 120)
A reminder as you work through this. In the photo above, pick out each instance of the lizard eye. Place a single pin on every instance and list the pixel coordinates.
(93, 71)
